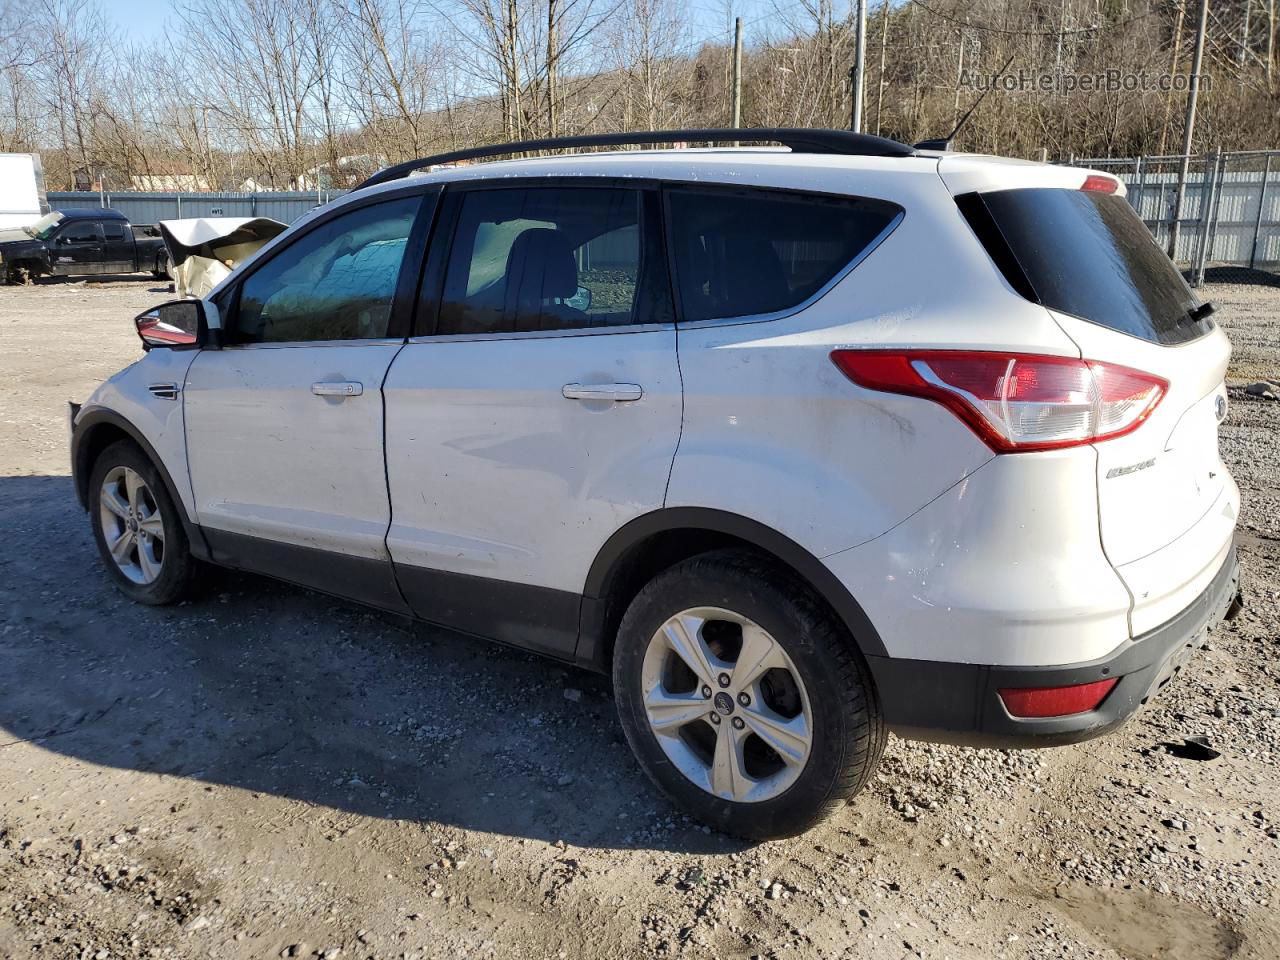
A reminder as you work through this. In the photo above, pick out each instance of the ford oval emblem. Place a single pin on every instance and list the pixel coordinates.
(1220, 407)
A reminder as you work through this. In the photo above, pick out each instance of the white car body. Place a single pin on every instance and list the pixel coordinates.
(462, 463)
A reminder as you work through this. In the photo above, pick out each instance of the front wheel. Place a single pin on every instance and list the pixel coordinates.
(743, 698)
(137, 527)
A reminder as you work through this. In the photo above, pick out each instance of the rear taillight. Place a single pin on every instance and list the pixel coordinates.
(1015, 402)
(1033, 702)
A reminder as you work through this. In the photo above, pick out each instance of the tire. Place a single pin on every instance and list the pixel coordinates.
(156, 566)
(819, 686)
(162, 269)
(20, 274)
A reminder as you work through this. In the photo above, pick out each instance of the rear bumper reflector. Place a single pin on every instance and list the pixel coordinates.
(1056, 701)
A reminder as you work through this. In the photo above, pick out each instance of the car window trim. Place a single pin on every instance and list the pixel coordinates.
(279, 344)
(675, 187)
(427, 321)
(407, 280)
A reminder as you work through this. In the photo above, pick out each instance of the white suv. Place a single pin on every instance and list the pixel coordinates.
(803, 446)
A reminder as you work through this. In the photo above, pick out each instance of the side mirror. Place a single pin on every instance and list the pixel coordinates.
(178, 323)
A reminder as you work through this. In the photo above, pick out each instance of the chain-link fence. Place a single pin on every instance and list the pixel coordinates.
(1230, 214)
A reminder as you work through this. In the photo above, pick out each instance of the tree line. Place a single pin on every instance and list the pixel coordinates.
(279, 94)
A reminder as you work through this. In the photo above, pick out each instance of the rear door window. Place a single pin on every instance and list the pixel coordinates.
(741, 253)
(547, 258)
(1086, 253)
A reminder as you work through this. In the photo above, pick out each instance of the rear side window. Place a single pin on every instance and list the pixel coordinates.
(1086, 253)
(745, 252)
(113, 231)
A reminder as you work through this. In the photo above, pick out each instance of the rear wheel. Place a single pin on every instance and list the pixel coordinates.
(742, 697)
(138, 528)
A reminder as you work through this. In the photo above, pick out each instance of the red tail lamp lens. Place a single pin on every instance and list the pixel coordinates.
(1039, 702)
(1015, 402)
(1100, 184)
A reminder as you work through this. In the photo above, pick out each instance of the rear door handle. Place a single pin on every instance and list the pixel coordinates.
(337, 388)
(602, 391)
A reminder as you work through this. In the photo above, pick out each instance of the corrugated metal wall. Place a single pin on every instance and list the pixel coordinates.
(152, 207)
(1230, 211)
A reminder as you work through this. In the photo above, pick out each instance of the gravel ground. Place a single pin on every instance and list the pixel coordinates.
(267, 772)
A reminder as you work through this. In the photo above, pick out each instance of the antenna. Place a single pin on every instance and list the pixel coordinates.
(944, 143)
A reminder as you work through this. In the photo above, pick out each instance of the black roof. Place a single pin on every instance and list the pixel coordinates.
(91, 213)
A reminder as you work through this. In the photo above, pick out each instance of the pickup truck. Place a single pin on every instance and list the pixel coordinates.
(71, 243)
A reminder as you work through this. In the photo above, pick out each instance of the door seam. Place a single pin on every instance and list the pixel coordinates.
(386, 480)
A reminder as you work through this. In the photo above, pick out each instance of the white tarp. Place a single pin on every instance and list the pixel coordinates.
(204, 250)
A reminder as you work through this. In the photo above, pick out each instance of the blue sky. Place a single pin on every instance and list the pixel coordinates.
(143, 20)
(139, 20)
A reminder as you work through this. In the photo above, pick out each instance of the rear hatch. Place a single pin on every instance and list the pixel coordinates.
(1166, 503)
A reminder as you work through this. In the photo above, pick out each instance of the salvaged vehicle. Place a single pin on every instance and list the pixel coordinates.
(73, 243)
(203, 251)
(799, 447)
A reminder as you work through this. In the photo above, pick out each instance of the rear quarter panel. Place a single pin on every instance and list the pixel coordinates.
(775, 432)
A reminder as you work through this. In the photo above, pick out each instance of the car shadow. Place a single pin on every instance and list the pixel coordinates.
(275, 689)
(1241, 275)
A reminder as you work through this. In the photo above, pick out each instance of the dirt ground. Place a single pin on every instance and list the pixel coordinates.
(269, 772)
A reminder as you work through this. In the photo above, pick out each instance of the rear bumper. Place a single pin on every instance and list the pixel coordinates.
(958, 702)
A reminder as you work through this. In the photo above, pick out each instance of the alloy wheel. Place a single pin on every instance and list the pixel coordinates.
(132, 526)
(727, 705)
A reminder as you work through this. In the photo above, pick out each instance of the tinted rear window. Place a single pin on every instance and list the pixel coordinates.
(1086, 253)
(741, 253)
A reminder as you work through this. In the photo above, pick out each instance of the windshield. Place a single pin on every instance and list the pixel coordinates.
(43, 228)
(1086, 253)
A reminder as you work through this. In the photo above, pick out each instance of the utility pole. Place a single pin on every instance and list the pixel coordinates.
(736, 104)
(1188, 131)
(858, 75)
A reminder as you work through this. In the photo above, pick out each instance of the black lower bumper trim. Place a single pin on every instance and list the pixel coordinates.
(958, 702)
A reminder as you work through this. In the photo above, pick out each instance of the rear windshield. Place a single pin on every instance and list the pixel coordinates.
(1086, 253)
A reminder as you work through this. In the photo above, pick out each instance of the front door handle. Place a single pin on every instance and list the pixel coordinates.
(337, 388)
(602, 391)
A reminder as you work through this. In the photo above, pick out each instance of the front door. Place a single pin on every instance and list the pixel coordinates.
(77, 249)
(284, 424)
(539, 414)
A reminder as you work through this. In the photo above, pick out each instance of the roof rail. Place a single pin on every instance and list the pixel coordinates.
(799, 139)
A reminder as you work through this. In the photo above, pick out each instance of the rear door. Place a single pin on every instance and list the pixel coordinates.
(284, 423)
(117, 247)
(538, 411)
(1167, 504)
(76, 249)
